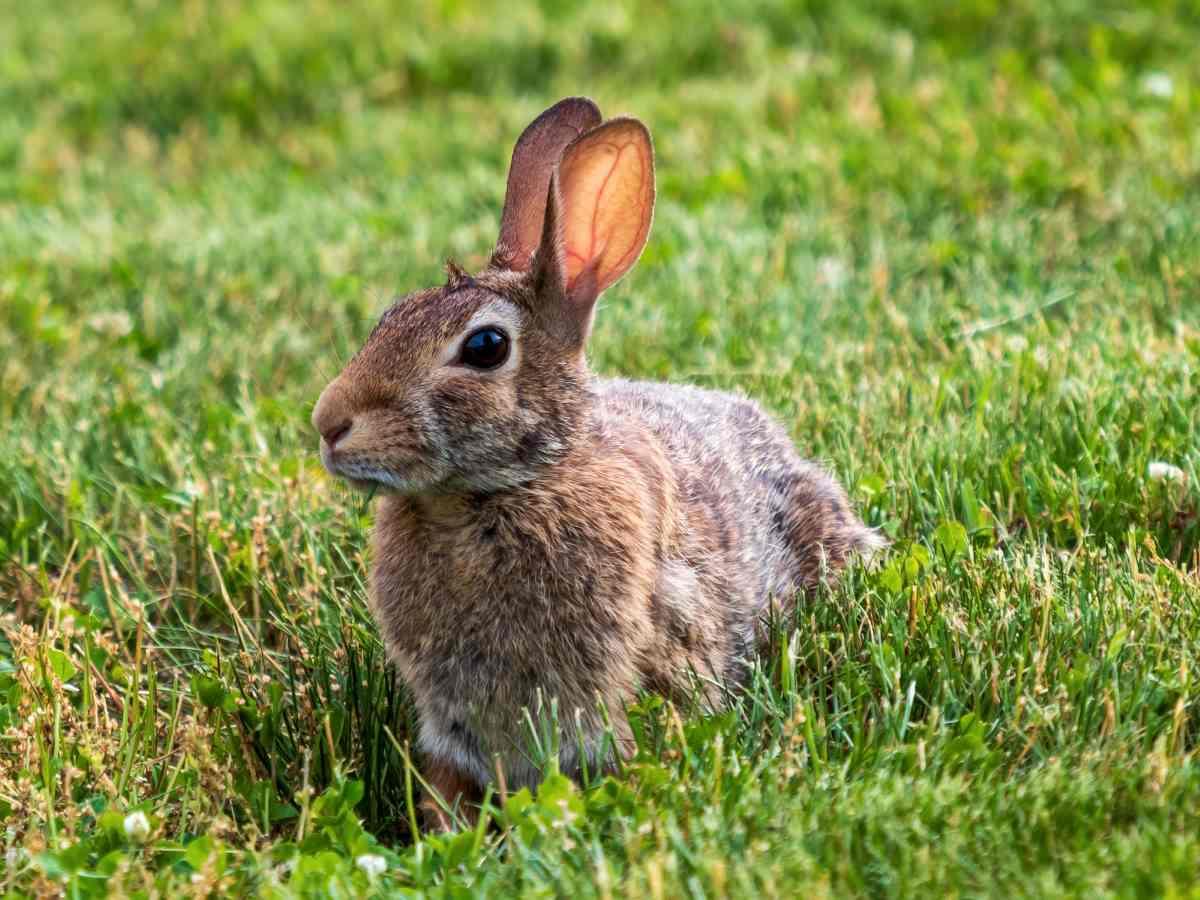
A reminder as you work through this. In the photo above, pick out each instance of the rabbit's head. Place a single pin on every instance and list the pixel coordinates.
(479, 384)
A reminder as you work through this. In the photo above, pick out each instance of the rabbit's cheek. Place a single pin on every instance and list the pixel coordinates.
(469, 408)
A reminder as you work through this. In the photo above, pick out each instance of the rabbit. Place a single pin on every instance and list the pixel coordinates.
(544, 533)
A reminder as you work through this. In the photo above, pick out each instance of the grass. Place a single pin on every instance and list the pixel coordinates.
(954, 247)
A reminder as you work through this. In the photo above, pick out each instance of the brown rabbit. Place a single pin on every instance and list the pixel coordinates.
(546, 533)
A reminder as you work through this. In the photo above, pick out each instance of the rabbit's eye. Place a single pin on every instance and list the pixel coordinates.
(486, 348)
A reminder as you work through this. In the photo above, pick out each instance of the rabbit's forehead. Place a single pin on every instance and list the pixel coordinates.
(428, 326)
(429, 317)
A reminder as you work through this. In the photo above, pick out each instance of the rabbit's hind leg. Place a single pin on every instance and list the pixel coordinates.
(453, 793)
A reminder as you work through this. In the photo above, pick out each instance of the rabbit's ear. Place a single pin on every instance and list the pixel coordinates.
(598, 215)
(537, 152)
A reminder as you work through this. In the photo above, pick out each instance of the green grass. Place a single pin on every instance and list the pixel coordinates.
(955, 247)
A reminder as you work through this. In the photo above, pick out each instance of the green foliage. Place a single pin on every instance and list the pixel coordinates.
(954, 247)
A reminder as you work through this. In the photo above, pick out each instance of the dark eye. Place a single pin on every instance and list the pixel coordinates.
(485, 348)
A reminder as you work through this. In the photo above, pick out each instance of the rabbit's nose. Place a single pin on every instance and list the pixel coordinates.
(330, 416)
(335, 433)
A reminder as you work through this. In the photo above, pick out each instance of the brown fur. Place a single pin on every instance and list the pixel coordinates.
(548, 534)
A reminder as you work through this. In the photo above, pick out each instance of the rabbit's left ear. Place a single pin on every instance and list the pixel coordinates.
(598, 214)
(537, 152)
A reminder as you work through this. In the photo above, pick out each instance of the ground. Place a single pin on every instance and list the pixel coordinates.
(954, 247)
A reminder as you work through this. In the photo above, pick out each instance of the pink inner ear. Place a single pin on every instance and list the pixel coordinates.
(592, 243)
(607, 180)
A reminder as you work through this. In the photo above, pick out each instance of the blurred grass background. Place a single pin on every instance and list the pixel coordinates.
(954, 247)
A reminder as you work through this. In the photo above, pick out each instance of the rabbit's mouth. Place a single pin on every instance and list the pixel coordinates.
(367, 485)
(371, 477)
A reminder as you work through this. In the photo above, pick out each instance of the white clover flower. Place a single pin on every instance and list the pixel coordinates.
(831, 272)
(1158, 84)
(1162, 471)
(111, 324)
(137, 826)
(372, 863)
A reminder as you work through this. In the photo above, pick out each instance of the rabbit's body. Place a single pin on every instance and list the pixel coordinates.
(644, 558)
(550, 537)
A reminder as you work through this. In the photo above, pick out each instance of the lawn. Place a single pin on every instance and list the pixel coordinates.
(954, 247)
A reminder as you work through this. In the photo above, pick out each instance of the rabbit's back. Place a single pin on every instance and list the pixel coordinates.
(775, 520)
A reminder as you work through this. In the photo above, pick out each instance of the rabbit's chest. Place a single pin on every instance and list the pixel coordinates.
(494, 624)
(486, 640)
(503, 603)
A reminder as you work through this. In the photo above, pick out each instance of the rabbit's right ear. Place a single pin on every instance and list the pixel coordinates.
(534, 159)
(598, 211)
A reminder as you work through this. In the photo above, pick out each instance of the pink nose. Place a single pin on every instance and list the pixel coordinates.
(335, 433)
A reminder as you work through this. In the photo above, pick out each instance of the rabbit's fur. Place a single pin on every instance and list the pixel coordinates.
(549, 534)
